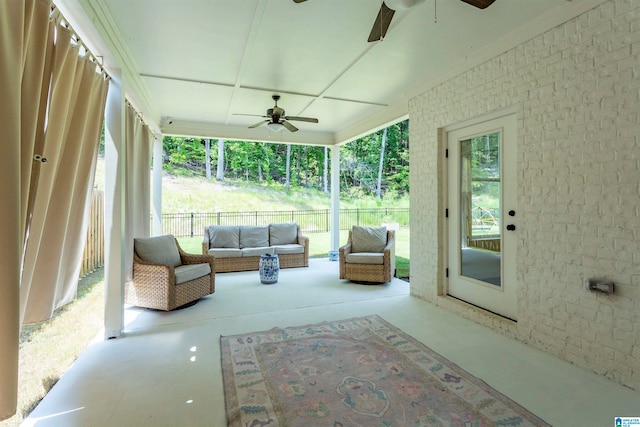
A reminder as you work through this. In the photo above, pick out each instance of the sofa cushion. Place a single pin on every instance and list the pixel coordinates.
(224, 236)
(365, 258)
(283, 234)
(225, 252)
(289, 249)
(256, 251)
(158, 250)
(368, 239)
(185, 273)
(254, 236)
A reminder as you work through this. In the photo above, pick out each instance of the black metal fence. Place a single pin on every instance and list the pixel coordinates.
(311, 221)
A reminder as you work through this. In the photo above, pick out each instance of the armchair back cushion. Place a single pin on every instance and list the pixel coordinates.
(158, 250)
(368, 239)
(224, 236)
(254, 236)
(283, 234)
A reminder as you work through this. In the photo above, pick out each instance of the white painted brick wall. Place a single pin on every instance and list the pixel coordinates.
(576, 89)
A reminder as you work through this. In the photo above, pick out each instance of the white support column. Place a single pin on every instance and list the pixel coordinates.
(335, 197)
(114, 221)
(157, 186)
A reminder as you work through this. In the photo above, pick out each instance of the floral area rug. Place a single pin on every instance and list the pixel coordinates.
(356, 372)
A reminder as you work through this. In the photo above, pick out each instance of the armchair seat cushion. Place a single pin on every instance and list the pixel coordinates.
(289, 249)
(256, 251)
(225, 252)
(365, 258)
(188, 272)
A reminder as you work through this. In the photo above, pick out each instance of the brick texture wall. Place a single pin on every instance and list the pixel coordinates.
(576, 93)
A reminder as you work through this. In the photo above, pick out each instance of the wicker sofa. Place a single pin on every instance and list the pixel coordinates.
(238, 248)
(165, 277)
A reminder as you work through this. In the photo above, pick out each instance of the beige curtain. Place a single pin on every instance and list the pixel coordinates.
(138, 145)
(25, 46)
(139, 142)
(53, 249)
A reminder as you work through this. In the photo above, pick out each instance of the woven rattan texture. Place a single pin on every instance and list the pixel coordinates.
(374, 273)
(153, 285)
(226, 265)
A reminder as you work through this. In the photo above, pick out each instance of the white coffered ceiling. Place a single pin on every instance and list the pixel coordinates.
(189, 65)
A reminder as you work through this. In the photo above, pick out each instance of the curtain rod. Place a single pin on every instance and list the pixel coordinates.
(58, 18)
(140, 116)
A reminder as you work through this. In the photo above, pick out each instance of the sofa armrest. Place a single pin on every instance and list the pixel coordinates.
(205, 241)
(390, 255)
(304, 242)
(343, 251)
(391, 241)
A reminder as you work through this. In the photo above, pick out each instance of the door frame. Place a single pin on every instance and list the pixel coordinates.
(447, 239)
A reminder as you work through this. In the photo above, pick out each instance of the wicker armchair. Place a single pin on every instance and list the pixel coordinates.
(165, 277)
(369, 255)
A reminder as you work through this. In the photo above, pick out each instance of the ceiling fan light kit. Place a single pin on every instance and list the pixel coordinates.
(402, 4)
(275, 127)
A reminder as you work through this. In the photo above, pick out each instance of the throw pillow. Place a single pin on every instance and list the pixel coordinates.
(158, 250)
(283, 234)
(368, 239)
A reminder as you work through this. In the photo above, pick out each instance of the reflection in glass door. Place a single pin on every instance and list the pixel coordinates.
(480, 202)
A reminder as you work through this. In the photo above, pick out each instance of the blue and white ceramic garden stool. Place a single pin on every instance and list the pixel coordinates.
(269, 269)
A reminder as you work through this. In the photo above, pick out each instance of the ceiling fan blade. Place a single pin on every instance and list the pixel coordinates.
(380, 27)
(299, 1)
(480, 4)
(301, 119)
(261, 122)
(252, 115)
(289, 126)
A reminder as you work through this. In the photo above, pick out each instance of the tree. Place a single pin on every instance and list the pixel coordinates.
(207, 150)
(325, 186)
(382, 145)
(375, 164)
(220, 168)
(288, 170)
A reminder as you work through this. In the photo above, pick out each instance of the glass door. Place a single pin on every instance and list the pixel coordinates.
(481, 247)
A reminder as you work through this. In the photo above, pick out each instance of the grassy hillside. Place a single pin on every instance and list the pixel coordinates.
(195, 194)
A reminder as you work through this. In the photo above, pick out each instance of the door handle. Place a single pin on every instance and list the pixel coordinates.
(511, 227)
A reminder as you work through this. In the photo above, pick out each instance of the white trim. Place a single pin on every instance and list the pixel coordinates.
(335, 198)
(114, 232)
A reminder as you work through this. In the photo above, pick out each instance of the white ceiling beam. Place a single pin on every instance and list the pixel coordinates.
(241, 133)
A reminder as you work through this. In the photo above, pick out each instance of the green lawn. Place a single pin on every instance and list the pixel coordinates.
(320, 243)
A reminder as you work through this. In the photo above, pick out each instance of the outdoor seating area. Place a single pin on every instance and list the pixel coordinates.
(369, 255)
(165, 277)
(238, 248)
